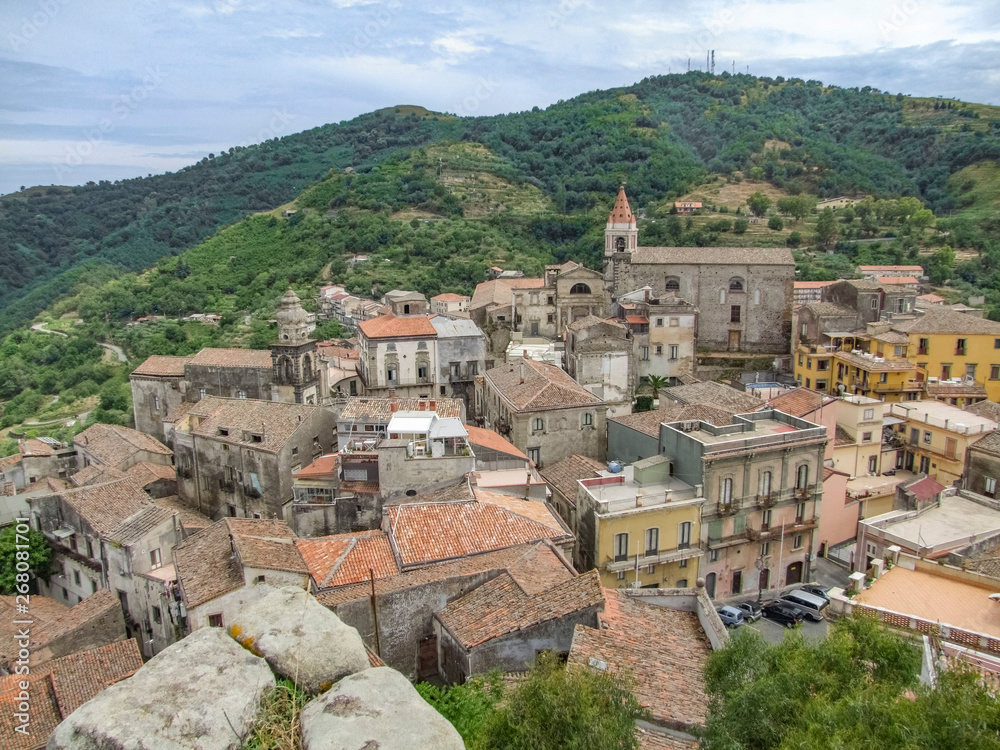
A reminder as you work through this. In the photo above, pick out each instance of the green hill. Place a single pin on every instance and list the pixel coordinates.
(664, 135)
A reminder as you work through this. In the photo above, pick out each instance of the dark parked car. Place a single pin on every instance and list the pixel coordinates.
(751, 611)
(730, 616)
(816, 590)
(782, 613)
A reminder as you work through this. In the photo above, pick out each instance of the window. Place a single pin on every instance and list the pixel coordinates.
(946, 372)
(659, 322)
(659, 350)
(535, 456)
(869, 414)
(802, 477)
(872, 464)
(800, 360)
(539, 424)
(713, 555)
(644, 353)
(734, 314)
(673, 351)
(76, 577)
(651, 568)
(223, 432)
(422, 372)
(232, 511)
(797, 541)
(821, 385)
(866, 437)
(683, 563)
(93, 586)
(736, 285)
(684, 535)
(241, 394)
(201, 393)
(215, 621)
(764, 485)
(682, 583)
(822, 364)
(156, 401)
(923, 346)
(765, 549)
(261, 579)
(960, 346)
(390, 374)
(579, 289)
(673, 284)
(874, 304)
(925, 465)
(990, 486)
(551, 318)
(765, 520)
(726, 491)
(994, 372)
(157, 617)
(621, 547)
(588, 419)
(652, 542)
(898, 351)
(621, 575)
(551, 300)
(258, 515)
(66, 594)
(927, 437)
(800, 512)
(154, 559)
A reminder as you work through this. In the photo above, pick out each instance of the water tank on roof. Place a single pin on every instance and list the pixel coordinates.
(614, 467)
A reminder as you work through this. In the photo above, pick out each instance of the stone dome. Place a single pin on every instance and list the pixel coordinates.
(293, 321)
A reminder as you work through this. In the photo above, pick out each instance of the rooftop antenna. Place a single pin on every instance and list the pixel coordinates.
(706, 61)
(689, 65)
(713, 62)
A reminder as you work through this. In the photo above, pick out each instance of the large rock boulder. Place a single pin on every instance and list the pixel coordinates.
(203, 692)
(376, 708)
(301, 639)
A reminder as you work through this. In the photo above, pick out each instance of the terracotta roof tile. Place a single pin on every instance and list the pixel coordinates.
(536, 567)
(712, 256)
(112, 445)
(359, 408)
(987, 409)
(500, 292)
(344, 559)
(450, 297)
(45, 716)
(799, 402)
(812, 284)
(714, 394)
(36, 447)
(107, 506)
(7, 461)
(252, 358)
(666, 651)
(190, 518)
(145, 473)
(649, 422)
(432, 532)
(273, 421)
(943, 320)
(81, 676)
(324, 467)
(95, 474)
(266, 544)
(479, 436)
(542, 386)
(888, 280)
(501, 606)
(163, 366)
(563, 475)
(535, 510)
(621, 213)
(843, 437)
(917, 269)
(650, 740)
(925, 488)
(390, 327)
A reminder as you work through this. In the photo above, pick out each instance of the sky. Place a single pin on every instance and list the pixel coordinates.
(123, 88)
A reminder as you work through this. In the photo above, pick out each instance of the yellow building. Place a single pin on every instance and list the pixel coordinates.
(641, 526)
(951, 345)
(856, 367)
(858, 444)
(931, 437)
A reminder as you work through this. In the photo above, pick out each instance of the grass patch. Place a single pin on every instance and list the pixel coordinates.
(277, 725)
(977, 189)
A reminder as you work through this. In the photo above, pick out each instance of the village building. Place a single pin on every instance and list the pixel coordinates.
(119, 448)
(804, 292)
(411, 353)
(59, 688)
(561, 478)
(663, 332)
(761, 475)
(37, 460)
(743, 295)
(542, 411)
(873, 273)
(450, 303)
(232, 563)
(341, 364)
(500, 626)
(366, 417)
(640, 526)
(599, 357)
(713, 394)
(58, 630)
(982, 465)
(236, 457)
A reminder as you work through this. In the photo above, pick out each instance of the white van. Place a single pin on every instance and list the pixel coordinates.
(810, 604)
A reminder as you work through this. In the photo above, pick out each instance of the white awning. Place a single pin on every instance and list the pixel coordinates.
(887, 421)
(451, 427)
(410, 424)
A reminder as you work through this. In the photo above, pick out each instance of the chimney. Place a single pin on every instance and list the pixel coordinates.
(432, 406)
(423, 405)
(393, 407)
(522, 371)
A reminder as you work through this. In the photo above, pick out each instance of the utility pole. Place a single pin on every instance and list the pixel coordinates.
(713, 62)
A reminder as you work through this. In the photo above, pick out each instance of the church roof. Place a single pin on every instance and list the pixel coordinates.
(621, 213)
(764, 256)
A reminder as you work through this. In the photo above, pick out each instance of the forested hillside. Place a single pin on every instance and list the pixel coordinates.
(664, 135)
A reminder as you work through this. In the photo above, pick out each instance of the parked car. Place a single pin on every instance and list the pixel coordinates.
(751, 611)
(816, 590)
(812, 606)
(783, 613)
(730, 616)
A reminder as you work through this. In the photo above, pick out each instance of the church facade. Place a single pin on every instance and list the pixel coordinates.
(743, 294)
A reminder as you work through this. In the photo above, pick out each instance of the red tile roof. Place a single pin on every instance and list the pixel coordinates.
(891, 268)
(637, 319)
(107, 506)
(344, 559)
(925, 489)
(145, 473)
(81, 676)
(530, 385)
(492, 440)
(391, 327)
(431, 532)
(897, 280)
(535, 510)
(162, 366)
(665, 650)
(621, 213)
(44, 713)
(450, 297)
(813, 284)
(500, 606)
(324, 467)
(563, 475)
(113, 445)
(799, 402)
(252, 358)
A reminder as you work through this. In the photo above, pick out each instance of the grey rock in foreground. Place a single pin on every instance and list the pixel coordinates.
(301, 639)
(376, 708)
(201, 693)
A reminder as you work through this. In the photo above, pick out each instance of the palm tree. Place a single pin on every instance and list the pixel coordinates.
(655, 383)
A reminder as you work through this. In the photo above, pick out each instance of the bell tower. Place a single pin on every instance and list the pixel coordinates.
(297, 373)
(621, 238)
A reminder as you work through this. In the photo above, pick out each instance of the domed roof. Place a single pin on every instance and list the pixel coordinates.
(290, 313)
(621, 213)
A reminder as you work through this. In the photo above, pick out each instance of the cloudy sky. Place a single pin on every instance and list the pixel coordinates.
(120, 88)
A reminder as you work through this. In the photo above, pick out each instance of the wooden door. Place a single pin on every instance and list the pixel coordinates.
(765, 579)
(734, 341)
(427, 657)
(793, 574)
(737, 582)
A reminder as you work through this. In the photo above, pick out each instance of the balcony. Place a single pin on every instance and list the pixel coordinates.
(662, 557)
(910, 385)
(765, 501)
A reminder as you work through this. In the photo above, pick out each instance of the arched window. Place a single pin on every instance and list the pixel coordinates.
(286, 371)
(736, 284)
(620, 244)
(579, 289)
(726, 491)
(765, 484)
(673, 284)
(307, 367)
(802, 477)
